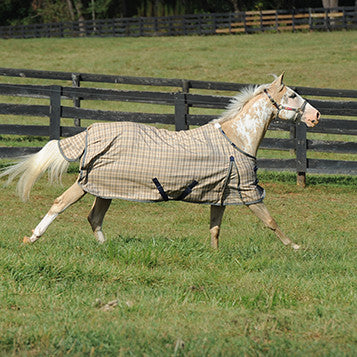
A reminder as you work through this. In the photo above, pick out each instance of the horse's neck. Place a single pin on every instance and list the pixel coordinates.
(248, 127)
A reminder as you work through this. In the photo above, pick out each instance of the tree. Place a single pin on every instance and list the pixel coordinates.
(14, 12)
(70, 9)
(58, 10)
(235, 5)
(50, 10)
(79, 8)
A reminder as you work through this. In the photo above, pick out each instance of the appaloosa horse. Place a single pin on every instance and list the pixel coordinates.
(213, 164)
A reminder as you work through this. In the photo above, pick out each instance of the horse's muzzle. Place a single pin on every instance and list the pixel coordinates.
(312, 119)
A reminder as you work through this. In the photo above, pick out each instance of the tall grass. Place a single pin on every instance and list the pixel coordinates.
(173, 295)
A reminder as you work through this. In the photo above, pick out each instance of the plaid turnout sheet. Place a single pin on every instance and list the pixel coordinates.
(142, 163)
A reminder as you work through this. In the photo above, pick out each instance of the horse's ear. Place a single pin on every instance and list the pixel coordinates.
(278, 83)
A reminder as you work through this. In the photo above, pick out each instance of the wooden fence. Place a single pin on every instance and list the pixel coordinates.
(182, 100)
(199, 24)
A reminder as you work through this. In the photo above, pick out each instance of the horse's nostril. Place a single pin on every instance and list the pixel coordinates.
(318, 115)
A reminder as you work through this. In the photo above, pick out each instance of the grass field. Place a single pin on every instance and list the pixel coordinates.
(309, 59)
(173, 295)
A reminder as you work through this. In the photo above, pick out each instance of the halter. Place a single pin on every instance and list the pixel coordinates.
(299, 111)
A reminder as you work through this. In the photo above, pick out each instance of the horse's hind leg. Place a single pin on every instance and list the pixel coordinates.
(215, 226)
(72, 195)
(260, 210)
(96, 216)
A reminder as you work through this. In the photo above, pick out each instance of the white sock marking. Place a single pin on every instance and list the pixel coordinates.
(43, 225)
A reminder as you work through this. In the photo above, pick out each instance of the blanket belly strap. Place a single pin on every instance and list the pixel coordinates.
(164, 195)
(160, 189)
(187, 191)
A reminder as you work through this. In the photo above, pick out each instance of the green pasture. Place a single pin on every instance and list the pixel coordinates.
(172, 295)
(175, 296)
(310, 59)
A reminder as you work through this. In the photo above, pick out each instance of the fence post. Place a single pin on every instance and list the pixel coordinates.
(292, 136)
(310, 19)
(327, 22)
(185, 86)
(61, 33)
(199, 25)
(171, 27)
(292, 128)
(181, 111)
(301, 159)
(344, 19)
(230, 22)
(76, 82)
(141, 27)
(113, 27)
(156, 25)
(214, 23)
(245, 22)
(55, 112)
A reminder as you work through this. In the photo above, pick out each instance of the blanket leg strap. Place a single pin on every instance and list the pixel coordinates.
(160, 189)
(187, 191)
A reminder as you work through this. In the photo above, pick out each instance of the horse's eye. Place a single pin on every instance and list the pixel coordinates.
(292, 95)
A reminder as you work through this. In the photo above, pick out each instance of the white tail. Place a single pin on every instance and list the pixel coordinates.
(31, 167)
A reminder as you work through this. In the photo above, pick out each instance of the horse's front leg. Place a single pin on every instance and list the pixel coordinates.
(216, 220)
(96, 216)
(72, 195)
(262, 212)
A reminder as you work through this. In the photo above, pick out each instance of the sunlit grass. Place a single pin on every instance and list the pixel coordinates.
(173, 293)
(311, 59)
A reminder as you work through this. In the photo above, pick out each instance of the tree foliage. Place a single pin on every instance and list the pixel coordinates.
(14, 12)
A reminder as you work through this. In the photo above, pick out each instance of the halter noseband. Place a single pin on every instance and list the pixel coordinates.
(298, 111)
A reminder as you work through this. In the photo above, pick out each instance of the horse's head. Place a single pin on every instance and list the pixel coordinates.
(289, 105)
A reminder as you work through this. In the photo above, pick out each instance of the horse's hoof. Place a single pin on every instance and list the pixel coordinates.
(100, 237)
(26, 240)
(295, 246)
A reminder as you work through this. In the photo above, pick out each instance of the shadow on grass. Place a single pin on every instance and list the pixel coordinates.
(21, 139)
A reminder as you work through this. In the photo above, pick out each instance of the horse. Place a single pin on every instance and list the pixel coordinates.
(213, 164)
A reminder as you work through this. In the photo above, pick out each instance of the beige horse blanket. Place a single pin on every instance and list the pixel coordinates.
(142, 163)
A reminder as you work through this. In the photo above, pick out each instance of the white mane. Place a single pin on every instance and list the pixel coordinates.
(237, 103)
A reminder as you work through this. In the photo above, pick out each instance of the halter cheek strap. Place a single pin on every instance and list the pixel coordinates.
(298, 111)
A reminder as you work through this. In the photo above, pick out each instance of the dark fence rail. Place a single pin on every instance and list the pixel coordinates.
(182, 101)
(200, 24)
